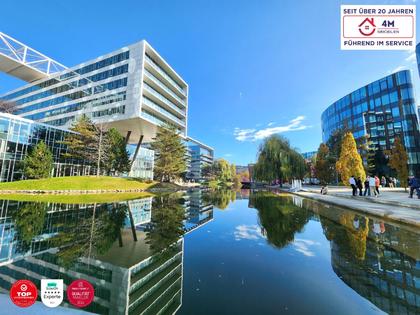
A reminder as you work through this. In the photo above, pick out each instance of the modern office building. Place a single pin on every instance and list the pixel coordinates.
(418, 67)
(199, 156)
(381, 111)
(132, 89)
(19, 135)
(309, 155)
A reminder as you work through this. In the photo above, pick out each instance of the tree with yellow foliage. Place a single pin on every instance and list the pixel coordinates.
(350, 163)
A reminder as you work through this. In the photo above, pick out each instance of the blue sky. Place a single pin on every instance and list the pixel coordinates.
(254, 67)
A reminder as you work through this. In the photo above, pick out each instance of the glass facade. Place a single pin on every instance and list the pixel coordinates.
(18, 136)
(380, 110)
(198, 158)
(57, 100)
(143, 165)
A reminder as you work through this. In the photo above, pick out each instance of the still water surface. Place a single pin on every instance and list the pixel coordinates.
(215, 253)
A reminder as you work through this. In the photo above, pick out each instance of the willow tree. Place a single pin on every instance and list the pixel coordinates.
(278, 161)
(350, 163)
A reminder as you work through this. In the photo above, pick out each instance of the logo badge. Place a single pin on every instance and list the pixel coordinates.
(80, 293)
(23, 293)
(52, 292)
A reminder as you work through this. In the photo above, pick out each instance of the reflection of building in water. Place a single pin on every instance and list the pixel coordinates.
(385, 277)
(378, 263)
(128, 278)
(141, 210)
(197, 210)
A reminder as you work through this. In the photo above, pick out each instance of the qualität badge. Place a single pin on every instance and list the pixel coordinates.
(80, 293)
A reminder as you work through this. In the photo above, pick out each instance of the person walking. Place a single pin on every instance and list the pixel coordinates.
(391, 182)
(414, 185)
(377, 183)
(367, 190)
(359, 186)
(372, 186)
(352, 183)
(394, 181)
(383, 181)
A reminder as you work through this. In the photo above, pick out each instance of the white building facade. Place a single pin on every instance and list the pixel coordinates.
(132, 89)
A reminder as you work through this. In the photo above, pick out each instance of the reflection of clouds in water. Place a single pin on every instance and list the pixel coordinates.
(248, 232)
(303, 246)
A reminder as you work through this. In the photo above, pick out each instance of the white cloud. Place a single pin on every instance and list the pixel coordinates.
(228, 155)
(409, 61)
(303, 246)
(248, 232)
(411, 57)
(258, 134)
(399, 68)
(270, 124)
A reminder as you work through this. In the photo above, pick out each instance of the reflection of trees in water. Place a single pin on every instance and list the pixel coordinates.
(89, 235)
(369, 264)
(166, 226)
(351, 234)
(220, 198)
(29, 222)
(279, 217)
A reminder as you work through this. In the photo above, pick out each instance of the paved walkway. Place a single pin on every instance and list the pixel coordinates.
(388, 196)
(392, 204)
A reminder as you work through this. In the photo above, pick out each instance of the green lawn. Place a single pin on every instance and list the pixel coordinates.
(77, 183)
(72, 199)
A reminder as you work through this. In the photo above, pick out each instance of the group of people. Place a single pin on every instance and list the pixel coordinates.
(371, 186)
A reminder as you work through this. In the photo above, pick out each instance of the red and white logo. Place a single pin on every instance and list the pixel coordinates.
(367, 27)
(80, 293)
(23, 293)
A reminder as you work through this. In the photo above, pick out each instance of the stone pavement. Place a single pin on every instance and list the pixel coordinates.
(392, 204)
(387, 196)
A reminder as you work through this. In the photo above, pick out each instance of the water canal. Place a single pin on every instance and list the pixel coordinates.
(219, 253)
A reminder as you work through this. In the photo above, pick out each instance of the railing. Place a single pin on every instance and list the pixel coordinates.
(165, 75)
(163, 111)
(163, 99)
(164, 87)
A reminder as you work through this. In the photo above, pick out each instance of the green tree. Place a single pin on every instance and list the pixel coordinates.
(85, 142)
(378, 163)
(117, 159)
(398, 160)
(166, 226)
(170, 154)
(39, 162)
(89, 235)
(29, 220)
(277, 160)
(223, 170)
(232, 172)
(324, 165)
(220, 198)
(350, 162)
(334, 145)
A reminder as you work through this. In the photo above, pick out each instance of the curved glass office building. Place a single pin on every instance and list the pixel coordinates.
(381, 110)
